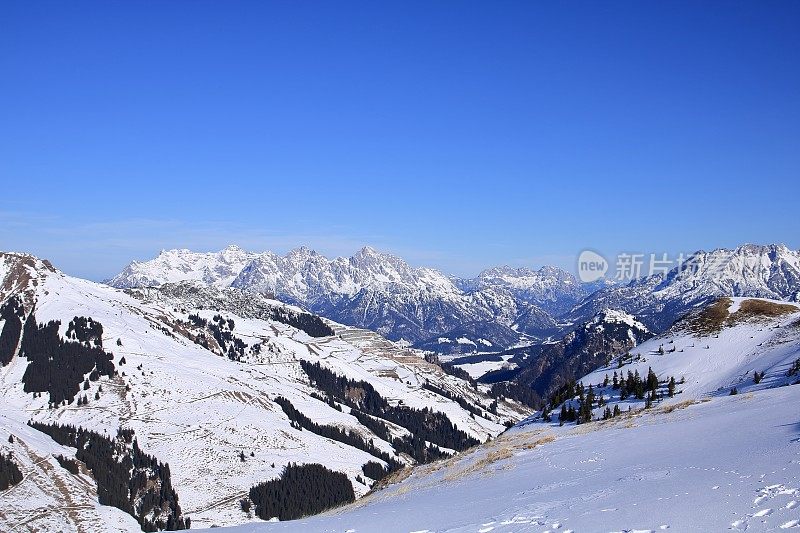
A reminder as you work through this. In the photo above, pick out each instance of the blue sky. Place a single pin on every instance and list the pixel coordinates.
(457, 134)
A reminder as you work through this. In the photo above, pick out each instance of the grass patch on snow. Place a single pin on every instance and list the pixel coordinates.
(711, 319)
(761, 309)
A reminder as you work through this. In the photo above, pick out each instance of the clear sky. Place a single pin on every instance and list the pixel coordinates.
(459, 135)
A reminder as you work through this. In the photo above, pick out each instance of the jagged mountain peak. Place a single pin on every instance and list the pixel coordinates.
(216, 268)
(549, 287)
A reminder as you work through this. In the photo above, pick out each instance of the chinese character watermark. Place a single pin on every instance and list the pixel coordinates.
(629, 266)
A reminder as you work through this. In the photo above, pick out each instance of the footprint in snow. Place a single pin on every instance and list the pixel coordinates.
(790, 523)
(791, 505)
(486, 529)
(763, 512)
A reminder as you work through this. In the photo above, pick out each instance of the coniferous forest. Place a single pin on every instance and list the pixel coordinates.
(10, 474)
(425, 424)
(11, 313)
(59, 366)
(374, 470)
(301, 490)
(334, 433)
(311, 324)
(126, 477)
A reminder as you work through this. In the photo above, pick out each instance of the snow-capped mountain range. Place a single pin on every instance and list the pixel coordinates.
(381, 292)
(499, 308)
(202, 375)
(771, 271)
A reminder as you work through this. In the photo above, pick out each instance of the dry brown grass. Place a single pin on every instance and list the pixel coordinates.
(395, 477)
(760, 308)
(676, 406)
(715, 316)
(538, 442)
(481, 464)
(711, 319)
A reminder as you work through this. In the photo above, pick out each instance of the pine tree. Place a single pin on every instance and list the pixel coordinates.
(652, 380)
(616, 411)
(638, 386)
(671, 386)
(615, 381)
(605, 381)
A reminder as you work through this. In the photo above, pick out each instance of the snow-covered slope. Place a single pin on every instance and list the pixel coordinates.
(728, 464)
(713, 351)
(701, 460)
(206, 406)
(49, 498)
(771, 271)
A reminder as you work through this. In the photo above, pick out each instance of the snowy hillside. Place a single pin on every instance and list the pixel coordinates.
(728, 464)
(771, 271)
(206, 378)
(699, 460)
(714, 351)
(382, 292)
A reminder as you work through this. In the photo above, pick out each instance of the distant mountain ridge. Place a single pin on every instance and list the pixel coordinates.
(171, 266)
(381, 292)
(499, 308)
(758, 271)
